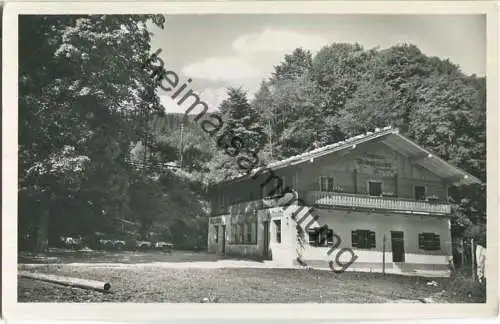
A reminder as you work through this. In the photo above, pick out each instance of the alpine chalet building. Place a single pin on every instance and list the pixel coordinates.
(377, 199)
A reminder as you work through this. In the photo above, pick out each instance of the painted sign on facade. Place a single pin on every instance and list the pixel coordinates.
(375, 164)
(216, 220)
(275, 212)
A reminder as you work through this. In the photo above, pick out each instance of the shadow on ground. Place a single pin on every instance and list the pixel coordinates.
(65, 256)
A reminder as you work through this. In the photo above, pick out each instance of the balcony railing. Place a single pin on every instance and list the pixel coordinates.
(341, 200)
(387, 203)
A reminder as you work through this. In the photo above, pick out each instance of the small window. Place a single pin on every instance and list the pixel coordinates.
(233, 234)
(248, 232)
(326, 184)
(363, 239)
(277, 225)
(429, 241)
(375, 188)
(251, 233)
(240, 234)
(216, 229)
(321, 236)
(420, 193)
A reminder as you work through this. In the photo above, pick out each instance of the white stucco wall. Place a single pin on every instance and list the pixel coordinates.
(343, 222)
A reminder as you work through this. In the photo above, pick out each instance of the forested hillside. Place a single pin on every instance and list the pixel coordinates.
(345, 90)
(95, 144)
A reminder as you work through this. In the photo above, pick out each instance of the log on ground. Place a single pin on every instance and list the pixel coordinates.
(68, 281)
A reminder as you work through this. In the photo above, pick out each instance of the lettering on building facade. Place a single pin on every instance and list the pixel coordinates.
(216, 220)
(375, 164)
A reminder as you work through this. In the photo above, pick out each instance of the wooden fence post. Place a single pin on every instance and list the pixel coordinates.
(383, 256)
(473, 259)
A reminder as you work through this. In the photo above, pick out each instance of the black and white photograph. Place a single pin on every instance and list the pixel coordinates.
(250, 157)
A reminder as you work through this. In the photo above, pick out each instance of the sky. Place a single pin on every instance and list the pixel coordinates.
(240, 50)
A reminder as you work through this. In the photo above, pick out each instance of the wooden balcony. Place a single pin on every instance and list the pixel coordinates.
(370, 202)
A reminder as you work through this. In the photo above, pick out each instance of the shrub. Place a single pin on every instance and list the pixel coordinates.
(463, 287)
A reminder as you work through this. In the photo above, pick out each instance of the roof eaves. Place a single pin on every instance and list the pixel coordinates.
(301, 158)
(470, 179)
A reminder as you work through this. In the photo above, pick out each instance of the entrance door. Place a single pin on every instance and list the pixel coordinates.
(398, 246)
(266, 239)
(223, 239)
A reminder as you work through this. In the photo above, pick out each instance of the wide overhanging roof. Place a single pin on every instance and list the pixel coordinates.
(429, 160)
(391, 138)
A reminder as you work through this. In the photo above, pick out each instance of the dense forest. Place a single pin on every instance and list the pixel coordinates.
(96, 145)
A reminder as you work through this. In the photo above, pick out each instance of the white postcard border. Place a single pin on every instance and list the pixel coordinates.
(154, 311)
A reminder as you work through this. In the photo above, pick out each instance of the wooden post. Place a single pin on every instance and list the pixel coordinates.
(473, 259)
(181, 146)
(383, 256)
(462, 253)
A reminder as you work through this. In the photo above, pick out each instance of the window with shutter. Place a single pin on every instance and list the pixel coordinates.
(330, 184)
(375, 188)
(326, 184)
(420, 192)
(313, 236)
(363, 239)
(429, 241)
(320, 236)
(354, 239)
(372, 239)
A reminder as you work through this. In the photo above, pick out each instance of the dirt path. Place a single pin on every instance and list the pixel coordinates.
(221, 264)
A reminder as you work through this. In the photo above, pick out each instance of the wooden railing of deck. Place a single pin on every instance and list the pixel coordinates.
(365, 201)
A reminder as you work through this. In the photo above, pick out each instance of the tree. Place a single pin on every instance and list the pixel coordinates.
(298, 124)
(263, 104)
(337, 69)
(168, 139)
(291, 104)
(81, 83)
(370, 107)
(242, 133)
(294, 65)
(448, 121)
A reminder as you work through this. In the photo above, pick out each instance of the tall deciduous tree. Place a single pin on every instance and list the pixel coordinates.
(81, 83)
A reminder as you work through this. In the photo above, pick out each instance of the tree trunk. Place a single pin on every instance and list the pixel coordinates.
(42, 237)
(68, 281)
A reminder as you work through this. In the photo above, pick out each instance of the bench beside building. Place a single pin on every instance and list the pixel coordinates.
(379, 194)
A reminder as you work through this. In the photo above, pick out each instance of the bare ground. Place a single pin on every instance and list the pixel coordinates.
(178, 278)
(229, 285)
